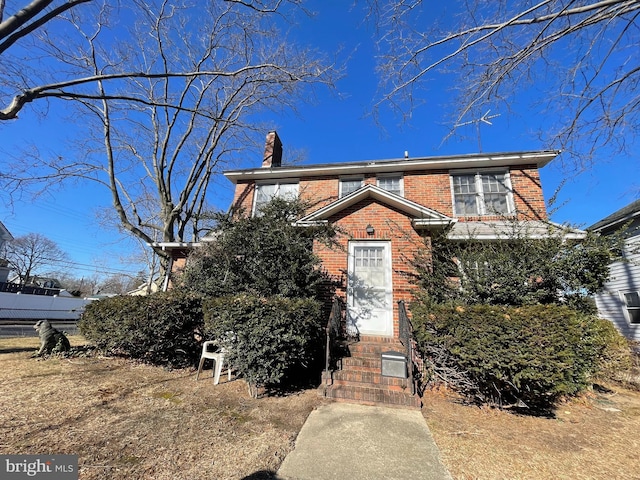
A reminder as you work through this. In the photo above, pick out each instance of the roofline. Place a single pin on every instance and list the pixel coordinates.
(613, 223)
(422, 216)
(506, 236)
(416, 222)
(5, 233)
(448, 162)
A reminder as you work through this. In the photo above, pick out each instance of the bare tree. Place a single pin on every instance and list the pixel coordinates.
(578, 60)
(31, 254)
(166, 92)
(41, 22)
(21, 30)
(120, 284)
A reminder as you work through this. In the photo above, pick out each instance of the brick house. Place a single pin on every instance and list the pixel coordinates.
(385, 210)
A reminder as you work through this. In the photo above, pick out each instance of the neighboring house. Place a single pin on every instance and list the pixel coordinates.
(143, 290)
(40, 299)
(619, 301)
(386, 209)
(5, 237)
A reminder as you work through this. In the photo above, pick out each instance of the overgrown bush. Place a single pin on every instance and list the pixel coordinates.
(158, 328)
(270, 341)
(519, 270)
(263, 255)
(528, 355)
(616, 356)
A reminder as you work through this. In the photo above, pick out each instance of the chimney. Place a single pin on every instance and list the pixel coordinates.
(272, 151)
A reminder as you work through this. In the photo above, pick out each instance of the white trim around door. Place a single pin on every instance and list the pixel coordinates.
(369, 288)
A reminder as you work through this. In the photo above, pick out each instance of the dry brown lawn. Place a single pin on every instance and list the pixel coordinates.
(126, 420)
(131, 421)
(594, 437)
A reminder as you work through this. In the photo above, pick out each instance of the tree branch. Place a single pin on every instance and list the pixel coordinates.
(19, 101)
(26, 14)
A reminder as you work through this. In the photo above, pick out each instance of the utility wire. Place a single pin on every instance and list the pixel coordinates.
(86, 267)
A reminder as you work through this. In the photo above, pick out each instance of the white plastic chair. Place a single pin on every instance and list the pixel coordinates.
(218, 361)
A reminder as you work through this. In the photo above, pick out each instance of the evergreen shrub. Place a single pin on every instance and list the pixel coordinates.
(158, 329)
(263, 255)
(530, 355)
(616, 355)
(269, 341)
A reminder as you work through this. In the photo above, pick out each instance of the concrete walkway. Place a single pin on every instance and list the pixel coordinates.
(354, 442)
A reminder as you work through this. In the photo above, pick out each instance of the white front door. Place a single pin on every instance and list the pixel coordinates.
(369, 290)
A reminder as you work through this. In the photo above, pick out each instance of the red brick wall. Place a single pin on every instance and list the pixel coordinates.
(179, 261)
(429, 188)
(389, 225)
(527, 193)
(319, 191)
(243, 196)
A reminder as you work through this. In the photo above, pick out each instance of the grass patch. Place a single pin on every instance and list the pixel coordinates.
(173, 397)
(129, 420)
(591, 437)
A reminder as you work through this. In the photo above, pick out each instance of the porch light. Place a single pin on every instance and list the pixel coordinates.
(370, 230)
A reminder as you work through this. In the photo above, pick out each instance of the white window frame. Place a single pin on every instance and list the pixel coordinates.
(481, 208)
(628, 308)
(277, 184)
(352, 178)
(399, 176)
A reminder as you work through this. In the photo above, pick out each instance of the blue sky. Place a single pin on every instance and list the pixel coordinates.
(337, 128)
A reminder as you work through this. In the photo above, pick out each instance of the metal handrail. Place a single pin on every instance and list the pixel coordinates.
(333, 331)
(407, 340)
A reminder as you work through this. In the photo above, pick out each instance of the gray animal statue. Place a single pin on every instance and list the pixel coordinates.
(51, 339)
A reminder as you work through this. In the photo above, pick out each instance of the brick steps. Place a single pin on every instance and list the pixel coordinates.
(362, 363)
(373, 396)
(360, 379)
(348, 377)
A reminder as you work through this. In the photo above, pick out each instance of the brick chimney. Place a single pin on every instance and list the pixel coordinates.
(272, 151)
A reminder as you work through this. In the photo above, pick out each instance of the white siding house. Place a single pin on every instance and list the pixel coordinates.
(619, 301)
(5, 236)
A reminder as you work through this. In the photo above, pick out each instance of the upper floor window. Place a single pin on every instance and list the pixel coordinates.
(265, 192)
(392, 183)
(632, 304)
(482, 193)
(348, 185)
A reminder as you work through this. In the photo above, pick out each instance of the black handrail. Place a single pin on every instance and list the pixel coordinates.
(333, 331)
(406, 338)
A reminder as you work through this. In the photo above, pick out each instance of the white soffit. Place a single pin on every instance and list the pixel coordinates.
(512, 230)
(539, 158)
(173, 245)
